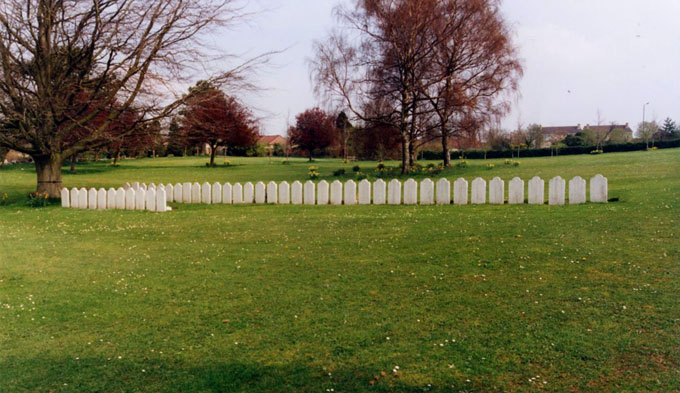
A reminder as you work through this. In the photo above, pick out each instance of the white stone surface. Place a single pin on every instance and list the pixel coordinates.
(284, 193)
(227, 194)
(427, 192)
(65, 198)
(121, 195)
(161, 200)
(143, 186)
(152, 185)
(272, 192)
(151, 199)
(516, 191)
(336, 193)
(496, 191)
(186, 193)
(536, 191)
(379, 192)
(217, 192)
(364, 192)
(350, 193)
(310, 193)
(92, 199)
(410, 192)
(478, 194)
(443, 192)
(322, 196)
(135, 185)
(237, 194)
(82, 198)
(101, 199)
(178, 193)
(111, 199)
(577, 191)
(556, 190)
(249, 193)
(460, 192)
(130, 199)
(296, 193)
(206, 193)
(140, 199)
(599, 189)
(394, 192)
(75, 198)
(170, 193)
(260, 192)
(196, 193)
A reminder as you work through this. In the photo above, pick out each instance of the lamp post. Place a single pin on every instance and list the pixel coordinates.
(643, 129)
(643, 113)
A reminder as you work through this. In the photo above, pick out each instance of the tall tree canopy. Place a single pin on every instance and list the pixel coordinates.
(65, 63)
(314, 130)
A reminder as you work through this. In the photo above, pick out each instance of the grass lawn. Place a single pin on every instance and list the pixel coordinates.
(346, 299)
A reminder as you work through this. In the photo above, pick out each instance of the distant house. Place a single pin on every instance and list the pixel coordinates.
(616, 133)
(552, 135)
(271, 140)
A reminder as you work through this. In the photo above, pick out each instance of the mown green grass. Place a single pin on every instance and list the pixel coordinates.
(308, 299)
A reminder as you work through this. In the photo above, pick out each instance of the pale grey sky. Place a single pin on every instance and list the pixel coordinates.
(579, 56)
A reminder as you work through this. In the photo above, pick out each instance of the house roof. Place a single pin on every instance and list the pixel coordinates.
(561, 130)
(608, 128)
(271, 139)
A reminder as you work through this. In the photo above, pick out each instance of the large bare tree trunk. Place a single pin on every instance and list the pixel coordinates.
(213, 150)
(73, 162)
(48, 169)
(445, 149)
(404, 155)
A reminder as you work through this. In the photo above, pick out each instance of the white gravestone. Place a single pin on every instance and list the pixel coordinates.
(121, 198)
(217, 192)
(152, 185)
(272, 192)
(443, 192)
(322, 193)
(82, 198)
(195, 193)
(394, 192)
(284, 193)
(427, 192)
(599, 189)
(111, 199)
(92, 199)
(336, 193)
(74, 198)
(350, 194)
(151, 199)
(460, 192)
(536, 191)
(364, 192)
(260, 192)
(496, 191)
(143, 186)
(186, 193)
(310, 193)
(478, 194)
(101, 199)
(161, 200)
(170, 193)
(135, 185)
(410, 192)
(127, 185)
(577, 191)
(130, 199)
(237, 194)
(178, 193)
(227, 194)
(206, 193)
(556, 191)
(65, 198)
(379, 192)
(516, 191)
(296, 193)
(140, 199)
(249, 193)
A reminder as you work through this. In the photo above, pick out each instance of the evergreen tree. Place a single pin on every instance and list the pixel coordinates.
(669, 129)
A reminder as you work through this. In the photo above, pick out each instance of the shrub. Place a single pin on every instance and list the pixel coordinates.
(3, 199)
(462, 164)
(339, 172)
(313, 172)
(596, 151)
(227, 163)
(361, 176)
(490, 166)
(38, 199)
(356, 168)
(381, 166)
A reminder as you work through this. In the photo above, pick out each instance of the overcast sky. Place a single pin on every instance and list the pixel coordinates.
(579, 56)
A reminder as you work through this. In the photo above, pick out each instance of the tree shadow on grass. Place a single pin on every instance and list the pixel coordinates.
(120, 375)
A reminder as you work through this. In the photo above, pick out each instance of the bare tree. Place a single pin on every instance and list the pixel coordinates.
(63, 62)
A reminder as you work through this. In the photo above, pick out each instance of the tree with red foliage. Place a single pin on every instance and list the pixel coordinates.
(212, 117)
(314, 129)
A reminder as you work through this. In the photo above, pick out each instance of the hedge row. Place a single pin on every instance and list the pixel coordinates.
(547, 152)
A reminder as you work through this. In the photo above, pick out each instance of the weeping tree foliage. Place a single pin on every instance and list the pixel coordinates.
(64, 63)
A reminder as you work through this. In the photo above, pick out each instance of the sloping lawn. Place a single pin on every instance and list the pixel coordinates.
(346, 299)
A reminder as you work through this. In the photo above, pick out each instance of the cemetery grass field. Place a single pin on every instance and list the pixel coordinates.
(347, 299)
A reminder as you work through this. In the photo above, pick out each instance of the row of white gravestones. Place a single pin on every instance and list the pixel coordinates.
(150, 199)
(393, 193)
